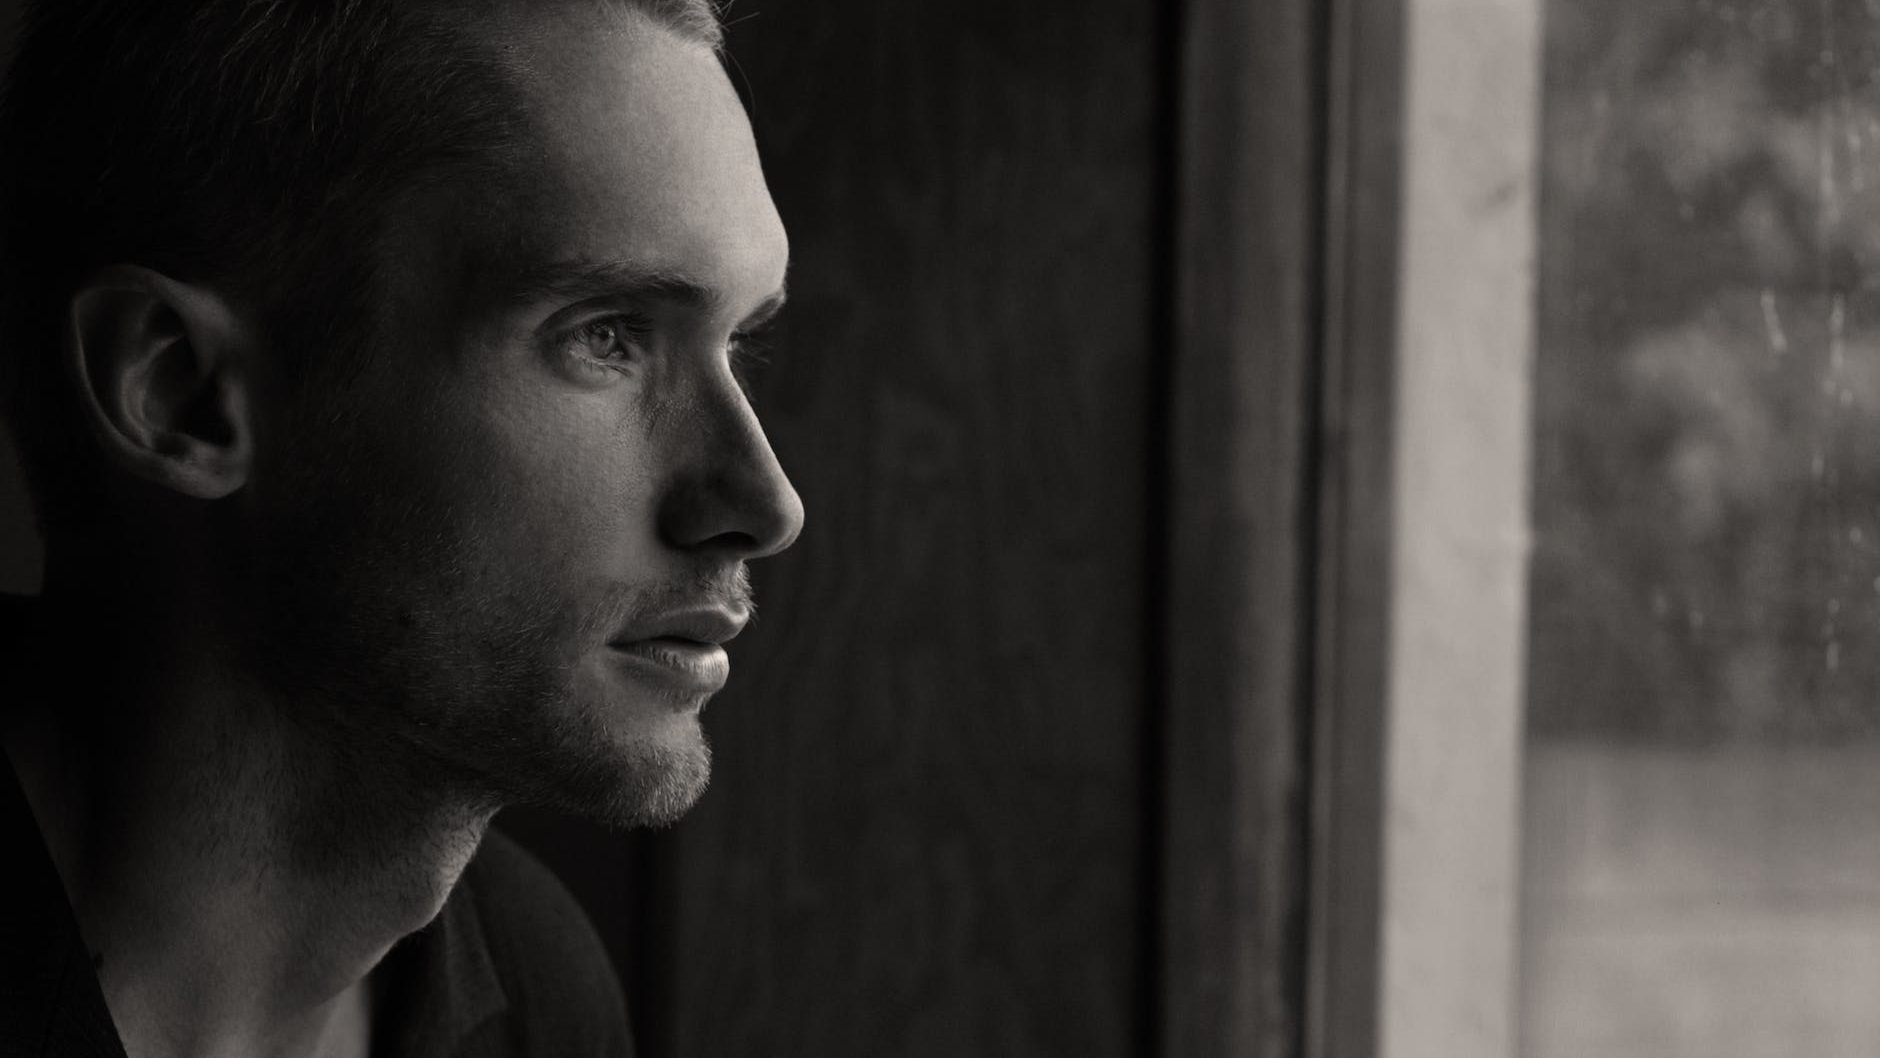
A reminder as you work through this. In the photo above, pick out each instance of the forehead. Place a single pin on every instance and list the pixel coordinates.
(639, 152)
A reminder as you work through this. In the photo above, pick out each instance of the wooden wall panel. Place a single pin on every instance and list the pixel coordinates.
(1354, 471)
(1241, 529)
(925, 835)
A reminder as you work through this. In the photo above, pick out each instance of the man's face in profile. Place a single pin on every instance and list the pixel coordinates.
(505, 550)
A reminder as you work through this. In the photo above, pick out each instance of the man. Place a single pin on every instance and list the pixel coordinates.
(374, 370)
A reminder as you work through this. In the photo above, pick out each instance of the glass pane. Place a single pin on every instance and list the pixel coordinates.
(1702, 838)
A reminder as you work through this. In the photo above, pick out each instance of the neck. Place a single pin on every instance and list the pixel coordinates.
(237, 867)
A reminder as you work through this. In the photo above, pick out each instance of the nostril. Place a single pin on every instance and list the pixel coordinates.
(731, 495)
(742, 515)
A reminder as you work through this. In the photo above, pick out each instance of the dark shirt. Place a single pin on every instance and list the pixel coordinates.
(510, 967)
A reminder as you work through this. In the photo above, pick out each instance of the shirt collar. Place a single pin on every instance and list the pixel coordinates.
(442, 982)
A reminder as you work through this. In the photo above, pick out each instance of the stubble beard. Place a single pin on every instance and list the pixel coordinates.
(502, 706)
(417, 670)
(511, 721)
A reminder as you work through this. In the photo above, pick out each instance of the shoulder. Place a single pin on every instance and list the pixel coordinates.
(563, 995)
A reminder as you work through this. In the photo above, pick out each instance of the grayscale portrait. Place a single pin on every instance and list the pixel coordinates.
(985, 529)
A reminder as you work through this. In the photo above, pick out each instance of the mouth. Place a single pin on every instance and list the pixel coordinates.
(683, 649)
(688, 665)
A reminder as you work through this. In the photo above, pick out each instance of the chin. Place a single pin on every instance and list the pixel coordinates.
(656, 784)
(621, 778)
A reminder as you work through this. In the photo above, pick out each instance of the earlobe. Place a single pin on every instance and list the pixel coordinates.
(161, 372)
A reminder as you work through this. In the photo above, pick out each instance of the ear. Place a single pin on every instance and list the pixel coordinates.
(161, 372)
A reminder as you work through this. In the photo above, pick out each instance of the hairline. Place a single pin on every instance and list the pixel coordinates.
(410, 204)
(323, 303)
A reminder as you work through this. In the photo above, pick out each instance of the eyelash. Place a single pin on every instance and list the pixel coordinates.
(627, 332)
(748, 355)
(630, 333)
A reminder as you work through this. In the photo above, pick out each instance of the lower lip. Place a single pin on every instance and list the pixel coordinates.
(688, 665)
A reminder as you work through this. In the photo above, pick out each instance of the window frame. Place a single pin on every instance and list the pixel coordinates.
(1348, 526)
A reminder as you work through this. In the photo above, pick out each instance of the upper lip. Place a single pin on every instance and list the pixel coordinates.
(703, 625)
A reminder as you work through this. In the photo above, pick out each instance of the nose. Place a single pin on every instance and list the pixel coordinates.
(730, 495)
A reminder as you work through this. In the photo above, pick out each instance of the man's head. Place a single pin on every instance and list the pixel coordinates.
(407, 328)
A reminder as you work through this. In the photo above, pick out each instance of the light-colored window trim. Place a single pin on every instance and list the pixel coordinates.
(1454, 687)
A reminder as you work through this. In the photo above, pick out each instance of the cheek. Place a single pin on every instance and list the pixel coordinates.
(555, 480)
(490, 478)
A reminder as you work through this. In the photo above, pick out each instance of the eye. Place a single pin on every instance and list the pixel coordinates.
(612, 341)
(749, 353)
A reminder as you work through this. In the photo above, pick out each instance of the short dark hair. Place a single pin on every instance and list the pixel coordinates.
(257, 143)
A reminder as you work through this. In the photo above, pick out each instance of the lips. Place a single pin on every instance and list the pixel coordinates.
(682, 649)
(701, 625)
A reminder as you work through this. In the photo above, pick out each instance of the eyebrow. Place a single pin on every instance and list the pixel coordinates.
(581, 279)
